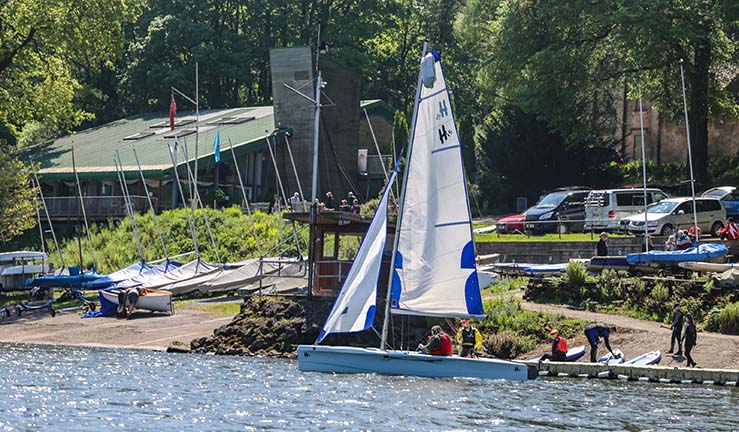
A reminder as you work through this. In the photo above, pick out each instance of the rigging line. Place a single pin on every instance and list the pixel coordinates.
(193, 231)
(151, 205)
(199, 202)
(282, 190)
(246, 200)
(84, 213)
(377, 146)
(295, 171)
(126, 199)
(48, 218)
(38, 218)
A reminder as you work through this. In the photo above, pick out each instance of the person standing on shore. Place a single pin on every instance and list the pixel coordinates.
(601, 249)
(594, 332)
(690, 336)
(677, 328)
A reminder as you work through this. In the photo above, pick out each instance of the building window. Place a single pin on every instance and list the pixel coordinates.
(637, 147)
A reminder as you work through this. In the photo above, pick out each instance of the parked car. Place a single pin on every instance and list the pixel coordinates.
(605, 208)
(729, 197)
(562, 210)
(673, 213)
(511, 224)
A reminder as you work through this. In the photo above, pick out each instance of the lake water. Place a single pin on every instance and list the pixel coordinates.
(91, 389)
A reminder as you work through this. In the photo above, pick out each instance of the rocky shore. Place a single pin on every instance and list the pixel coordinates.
(275, 326)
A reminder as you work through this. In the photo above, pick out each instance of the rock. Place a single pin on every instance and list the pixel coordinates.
(179, 347)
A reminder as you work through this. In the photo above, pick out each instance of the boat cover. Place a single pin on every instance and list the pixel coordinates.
(119, 276)
(181, 280)
(699, 253)
(247, 273)
(150, 274)
(74, 279)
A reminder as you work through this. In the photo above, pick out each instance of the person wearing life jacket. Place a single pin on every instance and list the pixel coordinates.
(594, 332)
(469, 339)
(731, 231)
(559, 348)
(439, 343)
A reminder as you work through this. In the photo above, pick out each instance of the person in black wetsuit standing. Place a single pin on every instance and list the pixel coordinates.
(677, 328)
(690, 336)
(601, 248)
(594, 332)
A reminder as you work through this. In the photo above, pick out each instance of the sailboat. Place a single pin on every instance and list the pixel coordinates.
(433, 262)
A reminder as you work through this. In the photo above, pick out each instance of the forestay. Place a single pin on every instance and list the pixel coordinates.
(354, 309)
(435, 270)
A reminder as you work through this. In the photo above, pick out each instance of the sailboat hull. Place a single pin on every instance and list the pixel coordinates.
(332, 359)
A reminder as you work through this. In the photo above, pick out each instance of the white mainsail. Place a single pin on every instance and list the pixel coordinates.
(354, 309)
(435, 272)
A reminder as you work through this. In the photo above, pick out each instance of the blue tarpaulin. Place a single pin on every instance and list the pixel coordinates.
(71, 280)
(700, 253)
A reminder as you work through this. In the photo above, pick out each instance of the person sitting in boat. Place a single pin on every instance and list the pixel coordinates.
(356, 208)
(559, 348)
(439, 343)
(469, 339)
(670, 244)
(691, 234)
(594, 332)
(601, 249)
(731, 231)
(682, 241)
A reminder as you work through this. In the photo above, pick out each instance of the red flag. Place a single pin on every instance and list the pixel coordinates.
(172, 111)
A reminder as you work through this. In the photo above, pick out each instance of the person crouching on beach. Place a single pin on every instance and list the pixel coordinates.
(594, 332)
(559, 348)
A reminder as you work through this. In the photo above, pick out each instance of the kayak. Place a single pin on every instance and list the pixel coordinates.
(611, 359)
(707, 267)
(545, 268)
(649, 358)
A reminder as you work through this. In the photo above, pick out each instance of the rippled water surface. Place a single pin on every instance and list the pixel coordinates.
(74, 389)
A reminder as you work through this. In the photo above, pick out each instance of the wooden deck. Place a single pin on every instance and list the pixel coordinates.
(641, 373)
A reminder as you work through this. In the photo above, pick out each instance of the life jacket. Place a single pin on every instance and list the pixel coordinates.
(445, 348)
(731, 231)
(559, 345)
(468, 336)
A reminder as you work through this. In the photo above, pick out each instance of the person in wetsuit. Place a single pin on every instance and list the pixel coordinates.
(677, 328)
(469, 339)
(438, 344)
(594, 332)
(690, 336)
(559, 348)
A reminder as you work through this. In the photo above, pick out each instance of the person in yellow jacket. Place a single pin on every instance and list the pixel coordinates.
(469, 339)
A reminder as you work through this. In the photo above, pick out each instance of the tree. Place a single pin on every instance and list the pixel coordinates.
(45, 45)
(17, 204)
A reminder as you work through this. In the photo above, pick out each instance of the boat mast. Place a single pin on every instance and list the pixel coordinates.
(690, 154)
(396, 237)
(151, 205)
(129, 205)
(84, 214)
(48, 219)
(190, 221)
(246, 200)
(644, 171)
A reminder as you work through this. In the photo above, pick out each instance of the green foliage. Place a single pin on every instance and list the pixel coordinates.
(576, 273)
(508, 345)
(660, 293)
(728, 319)
(17, 203)
(114, 246)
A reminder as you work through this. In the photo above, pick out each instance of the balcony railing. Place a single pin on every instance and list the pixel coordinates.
(96, 207)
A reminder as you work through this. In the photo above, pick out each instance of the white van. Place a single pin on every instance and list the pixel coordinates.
(605, 208)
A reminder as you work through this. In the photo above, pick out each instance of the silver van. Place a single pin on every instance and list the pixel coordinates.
(664, 217)
(605, 208)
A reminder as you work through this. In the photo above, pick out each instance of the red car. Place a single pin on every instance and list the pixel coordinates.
(511, 224)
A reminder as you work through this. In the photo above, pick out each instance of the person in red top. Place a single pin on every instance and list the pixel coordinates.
(691, 234)
(559, 348)
(439, 343)
(731, 232)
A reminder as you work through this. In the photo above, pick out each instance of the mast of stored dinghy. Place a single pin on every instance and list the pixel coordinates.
(151, 205)
(644, 171)
(396, 237)
(84, 214)
(690, 154)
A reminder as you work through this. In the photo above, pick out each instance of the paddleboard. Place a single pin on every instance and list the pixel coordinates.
(485, 230)
(700, 266)
(649, 358)
(611, 359)
(574, 354)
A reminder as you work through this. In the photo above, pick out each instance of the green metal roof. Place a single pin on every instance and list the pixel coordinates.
(94, 148)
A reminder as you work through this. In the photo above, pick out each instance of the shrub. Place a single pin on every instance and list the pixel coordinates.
(660, 293)
(576, 273)
(508, 345)
(728, 319)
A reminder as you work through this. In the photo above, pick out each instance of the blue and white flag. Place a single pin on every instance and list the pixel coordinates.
(217, 146)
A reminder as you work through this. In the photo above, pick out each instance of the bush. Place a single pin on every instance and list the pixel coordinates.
(576, 273)
(660, 293)
(728, 319)
(508, 345)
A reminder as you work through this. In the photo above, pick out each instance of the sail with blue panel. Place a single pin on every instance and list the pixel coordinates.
(435, 272)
